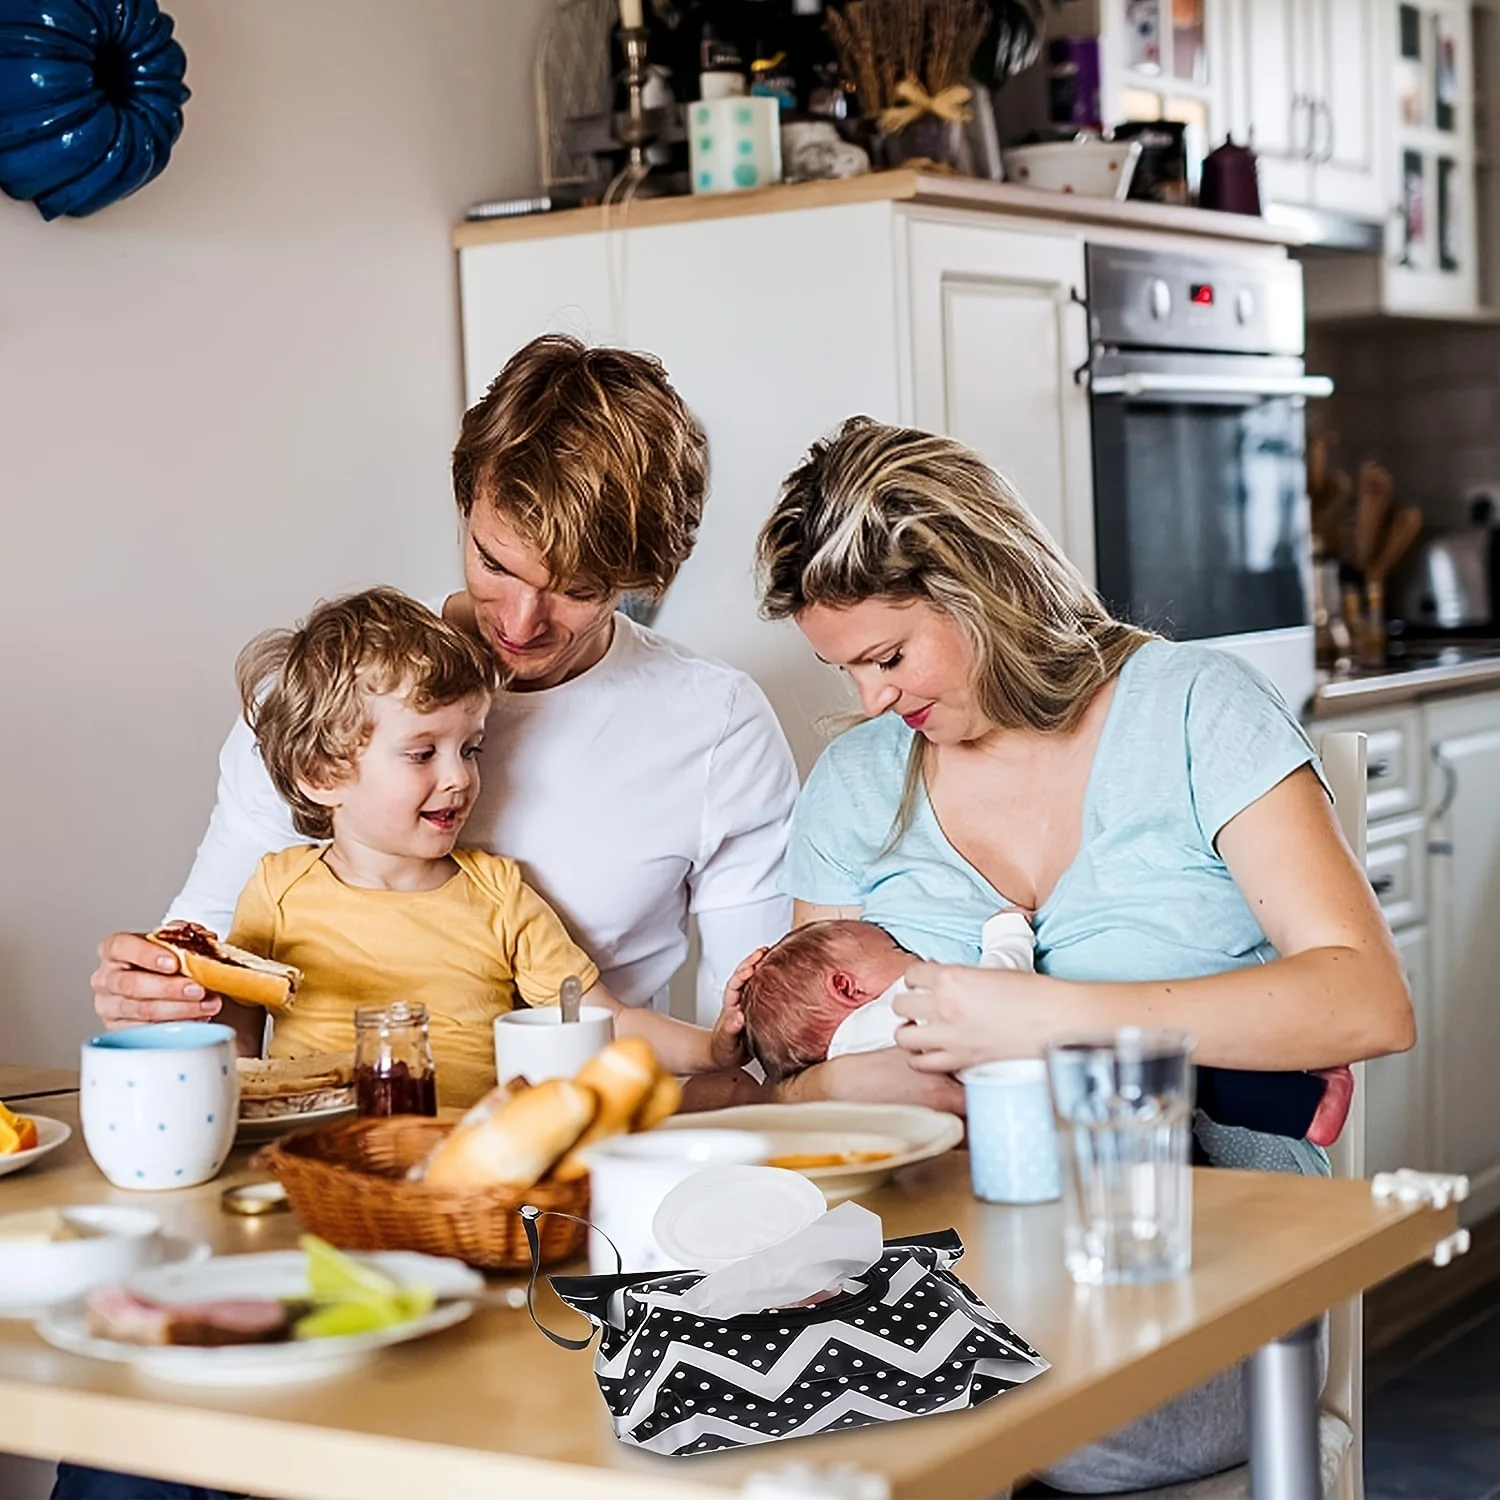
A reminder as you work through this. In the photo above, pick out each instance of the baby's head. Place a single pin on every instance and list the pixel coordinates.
(803, 988)
(369, 718)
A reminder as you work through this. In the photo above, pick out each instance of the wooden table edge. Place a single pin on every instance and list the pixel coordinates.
(289, 1460)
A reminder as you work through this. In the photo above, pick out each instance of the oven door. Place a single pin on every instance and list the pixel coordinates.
(1202, 530)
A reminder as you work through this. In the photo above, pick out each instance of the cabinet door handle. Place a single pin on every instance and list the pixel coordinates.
(1383, 885)
(1377, 770)
(1321, 107)
(1450, 781)
(1299, 145)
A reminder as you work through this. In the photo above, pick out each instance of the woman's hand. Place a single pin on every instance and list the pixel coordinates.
(883, 1077)
(138, 982)
(970, 1016)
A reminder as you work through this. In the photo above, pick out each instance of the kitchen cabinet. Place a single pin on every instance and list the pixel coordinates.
(975, 291)
(1463, 735)
(1305, 89)
(1398, 1089)
(1423, 182)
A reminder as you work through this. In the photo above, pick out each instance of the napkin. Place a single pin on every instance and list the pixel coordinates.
(841, 1243)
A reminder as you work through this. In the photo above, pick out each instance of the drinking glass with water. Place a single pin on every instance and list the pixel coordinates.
(1124, 1107)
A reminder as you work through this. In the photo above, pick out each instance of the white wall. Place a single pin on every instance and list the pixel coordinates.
(220, 399)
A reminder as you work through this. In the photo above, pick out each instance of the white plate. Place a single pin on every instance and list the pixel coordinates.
(274, 1274)
(909, 1132)
(50, 1134)
(251, 1131)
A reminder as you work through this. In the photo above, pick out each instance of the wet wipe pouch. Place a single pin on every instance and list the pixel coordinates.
(904, 1337)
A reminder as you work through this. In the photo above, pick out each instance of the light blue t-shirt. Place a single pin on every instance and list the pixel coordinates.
(1193, 737)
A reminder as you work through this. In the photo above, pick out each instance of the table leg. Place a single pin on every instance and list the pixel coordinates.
(1283, 1390)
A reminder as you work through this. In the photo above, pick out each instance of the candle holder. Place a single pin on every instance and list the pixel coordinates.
(637, 132)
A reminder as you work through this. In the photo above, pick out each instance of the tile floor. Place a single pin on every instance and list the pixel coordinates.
(1432, 1408)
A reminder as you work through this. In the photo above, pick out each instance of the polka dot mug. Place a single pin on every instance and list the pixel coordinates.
(160, 1104)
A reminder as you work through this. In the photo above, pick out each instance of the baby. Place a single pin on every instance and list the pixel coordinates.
(370, 718)
(828, 989)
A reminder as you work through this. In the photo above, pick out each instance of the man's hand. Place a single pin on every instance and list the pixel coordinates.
(137, 982)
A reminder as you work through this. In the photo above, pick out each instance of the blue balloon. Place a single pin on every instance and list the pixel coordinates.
(91, 97)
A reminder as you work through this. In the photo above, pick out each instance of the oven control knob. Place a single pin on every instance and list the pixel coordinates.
(1244, 306)
(1161, 300)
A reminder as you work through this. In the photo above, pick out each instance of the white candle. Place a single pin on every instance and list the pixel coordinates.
(631, 17)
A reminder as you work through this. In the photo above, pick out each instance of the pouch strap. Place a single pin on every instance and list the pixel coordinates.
(529, 1217)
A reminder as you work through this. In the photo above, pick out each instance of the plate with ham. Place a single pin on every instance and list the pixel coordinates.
(261, 1320)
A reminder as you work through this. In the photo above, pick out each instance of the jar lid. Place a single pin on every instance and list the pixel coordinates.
(722, 1214)
(400, 1013)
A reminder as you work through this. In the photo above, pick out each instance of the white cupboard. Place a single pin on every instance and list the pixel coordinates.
(1464, 739)
(775, 327)
(998, 329)
(1397, 1097)
(1306, 90)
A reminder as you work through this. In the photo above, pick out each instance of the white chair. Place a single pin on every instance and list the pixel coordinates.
(1341, 1426)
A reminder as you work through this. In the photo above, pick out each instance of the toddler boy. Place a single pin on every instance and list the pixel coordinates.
(828, 989)
(370, 718)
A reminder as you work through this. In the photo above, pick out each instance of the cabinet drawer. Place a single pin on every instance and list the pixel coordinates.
(1396, 861)
(1393, 758)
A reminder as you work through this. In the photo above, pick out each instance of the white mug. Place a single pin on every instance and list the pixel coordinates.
(537, 1044)
(629, 1175)
(160, 1104)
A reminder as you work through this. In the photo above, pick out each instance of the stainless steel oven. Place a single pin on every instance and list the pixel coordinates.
(1199, 391)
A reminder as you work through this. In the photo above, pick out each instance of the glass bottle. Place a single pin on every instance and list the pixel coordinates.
(394, 1073)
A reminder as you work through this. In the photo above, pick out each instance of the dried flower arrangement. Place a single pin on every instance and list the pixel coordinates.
(905, 56)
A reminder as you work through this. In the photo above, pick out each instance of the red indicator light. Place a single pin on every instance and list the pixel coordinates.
(1202, 294)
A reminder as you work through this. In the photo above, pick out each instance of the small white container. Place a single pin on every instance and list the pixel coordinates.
(538, 1044)
(1012, 1138)
(1090, 168)
(160, 1104)
(111, 1243)
(734, 144)
(630, 1175)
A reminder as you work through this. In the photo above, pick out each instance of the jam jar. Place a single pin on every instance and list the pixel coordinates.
(394, 1073)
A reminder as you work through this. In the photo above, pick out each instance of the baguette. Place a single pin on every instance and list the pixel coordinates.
(510, 1140)
(623, 1075)
(228, 971)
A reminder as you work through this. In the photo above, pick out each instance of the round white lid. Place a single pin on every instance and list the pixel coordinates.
(722, 1214)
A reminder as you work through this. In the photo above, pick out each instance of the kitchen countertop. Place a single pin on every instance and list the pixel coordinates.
(924, 188)
(1430, 668)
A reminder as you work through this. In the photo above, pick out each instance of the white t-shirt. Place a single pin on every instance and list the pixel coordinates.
(1006, 941)
(654, 785)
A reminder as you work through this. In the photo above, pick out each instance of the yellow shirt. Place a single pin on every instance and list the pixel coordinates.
(462, 950)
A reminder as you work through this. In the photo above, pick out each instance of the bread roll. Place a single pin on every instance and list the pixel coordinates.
(510, 1140)
(623, 1076)
(660, 1104)
(226, 970)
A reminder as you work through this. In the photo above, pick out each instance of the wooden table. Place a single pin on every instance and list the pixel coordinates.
(19, 1082)
(492, 1408)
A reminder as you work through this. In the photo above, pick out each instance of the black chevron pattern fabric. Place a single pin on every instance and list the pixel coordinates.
(906, 1339)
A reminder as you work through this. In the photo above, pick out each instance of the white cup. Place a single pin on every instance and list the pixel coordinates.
(537, 1045)
(160, 1104)
(631, 1174)
(734, 144)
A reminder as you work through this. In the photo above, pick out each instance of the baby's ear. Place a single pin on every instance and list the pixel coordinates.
(846, 990)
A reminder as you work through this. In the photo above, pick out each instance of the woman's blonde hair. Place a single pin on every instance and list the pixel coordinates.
(890, 512)
(306, 692)
(595, 460)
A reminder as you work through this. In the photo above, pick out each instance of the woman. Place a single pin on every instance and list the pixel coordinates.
(1152, 805)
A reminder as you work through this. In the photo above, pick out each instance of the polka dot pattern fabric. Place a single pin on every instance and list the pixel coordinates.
(906, 1339)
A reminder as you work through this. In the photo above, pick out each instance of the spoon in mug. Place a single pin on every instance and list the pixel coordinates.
(569, 998)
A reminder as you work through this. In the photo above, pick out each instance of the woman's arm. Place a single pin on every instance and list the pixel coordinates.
(888, 1076)
(1335, 995)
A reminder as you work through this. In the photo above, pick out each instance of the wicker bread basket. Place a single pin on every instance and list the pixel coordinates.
(347, 1183)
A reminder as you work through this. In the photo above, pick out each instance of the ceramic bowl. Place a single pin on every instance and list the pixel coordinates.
(113, 1242)
(1090, 168)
